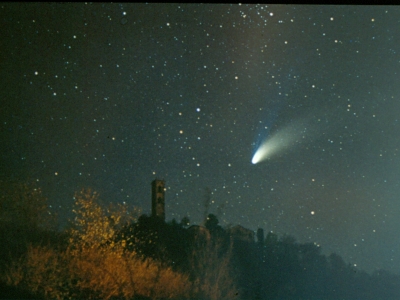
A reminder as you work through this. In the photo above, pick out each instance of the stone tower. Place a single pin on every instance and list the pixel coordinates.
(158, 199)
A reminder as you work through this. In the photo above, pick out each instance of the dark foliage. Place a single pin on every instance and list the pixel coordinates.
(277, 268)
(10, 292)
(151, 237)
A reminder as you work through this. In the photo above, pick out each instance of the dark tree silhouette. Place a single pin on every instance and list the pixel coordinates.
(211, 223)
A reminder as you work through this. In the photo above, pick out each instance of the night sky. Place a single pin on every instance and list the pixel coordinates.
(112, 96)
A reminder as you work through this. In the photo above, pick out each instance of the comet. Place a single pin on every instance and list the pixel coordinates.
(290, 136)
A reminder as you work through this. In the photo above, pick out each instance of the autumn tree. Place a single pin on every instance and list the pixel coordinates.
(96, 265)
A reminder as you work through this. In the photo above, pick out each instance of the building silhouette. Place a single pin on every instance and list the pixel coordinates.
(158, 199)
(199, 232)
(239, 233)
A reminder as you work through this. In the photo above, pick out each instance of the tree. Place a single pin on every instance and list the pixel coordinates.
(211, 223)
(95, 226)
(95, 265)
(23, 205)
(102, 263)
(24, 218)
(185, 222)
(211, 268)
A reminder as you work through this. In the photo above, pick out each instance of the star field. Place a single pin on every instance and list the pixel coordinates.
(112, 96)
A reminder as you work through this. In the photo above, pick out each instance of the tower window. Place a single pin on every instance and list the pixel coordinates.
(159, 200)
(160, 189)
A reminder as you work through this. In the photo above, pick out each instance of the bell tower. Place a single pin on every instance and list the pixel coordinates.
(158, 199)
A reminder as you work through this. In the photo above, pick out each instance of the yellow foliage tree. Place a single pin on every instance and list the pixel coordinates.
(95, 265)
(42, 271)
(95, 226)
